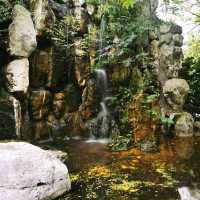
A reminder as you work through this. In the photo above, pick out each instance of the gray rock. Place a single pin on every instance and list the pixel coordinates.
(197, 128)
(175, 91)
(30, 173)
(165, 28)
(22, 35)
(177, 52)
(165, 38)
(184, 125)
(17, 75)
(60, 9)
(176, 29)
(149, 144)
(178, 40)
(166, 51)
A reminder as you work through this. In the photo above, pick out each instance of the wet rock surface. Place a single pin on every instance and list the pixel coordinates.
(33, 173)
(39, 102)
(184, 125)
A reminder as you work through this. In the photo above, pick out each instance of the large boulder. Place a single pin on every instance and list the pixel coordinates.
(184, 125)
(28, 172)
(175, 91)
(17, 75)
(22, 35)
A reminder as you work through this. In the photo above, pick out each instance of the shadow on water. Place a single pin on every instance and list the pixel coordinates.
(97, 173)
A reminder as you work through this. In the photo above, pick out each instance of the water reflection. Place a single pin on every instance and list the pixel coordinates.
(184, 147)
(171, 174)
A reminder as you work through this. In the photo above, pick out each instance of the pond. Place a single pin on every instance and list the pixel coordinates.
(97, 173)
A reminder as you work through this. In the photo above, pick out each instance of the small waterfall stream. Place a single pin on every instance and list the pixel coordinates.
(102, 118)
(18, 117)
(100, 126)
(102, 32)
(188, 194)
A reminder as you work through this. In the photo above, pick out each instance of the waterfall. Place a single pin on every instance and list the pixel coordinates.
(101, 35)
(100, 126)
(103, 116)
(188, 194)
(18, 117)
(102, 32)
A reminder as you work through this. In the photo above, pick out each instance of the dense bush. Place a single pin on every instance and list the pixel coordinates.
(191, 72)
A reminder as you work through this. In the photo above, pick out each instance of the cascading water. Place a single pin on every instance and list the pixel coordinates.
(18, 117)
(101, 35)
(102, 32)
(188, 194)
(99, 127)
(103, 116)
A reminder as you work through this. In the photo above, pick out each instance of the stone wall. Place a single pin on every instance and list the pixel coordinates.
(54, 82)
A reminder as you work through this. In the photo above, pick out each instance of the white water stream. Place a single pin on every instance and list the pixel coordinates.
(18, 117)
(189, 194)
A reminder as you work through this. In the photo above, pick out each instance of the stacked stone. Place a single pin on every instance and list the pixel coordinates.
(22, 42)
(166, 50)
(59, 76)
(170, 43)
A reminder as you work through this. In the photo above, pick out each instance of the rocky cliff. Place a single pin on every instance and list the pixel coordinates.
(48, 70)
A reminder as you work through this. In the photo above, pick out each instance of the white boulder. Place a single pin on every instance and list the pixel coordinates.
(22, 35)
(30, 173)
(17, 75)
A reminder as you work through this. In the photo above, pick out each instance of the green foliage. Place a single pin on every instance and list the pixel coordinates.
(125, 34)
(120, 102)
(167, 121)
(63, 31)
(191, 73)
(121, 143)
(6, 8)
(146, 104)
(193, 49)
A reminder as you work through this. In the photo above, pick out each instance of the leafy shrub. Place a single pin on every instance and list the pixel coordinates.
(191, 73)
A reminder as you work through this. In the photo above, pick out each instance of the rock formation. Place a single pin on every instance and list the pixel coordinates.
(60, 94)
(28, 172)
(22, 35)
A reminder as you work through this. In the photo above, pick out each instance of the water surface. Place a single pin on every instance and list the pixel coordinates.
(97, 173)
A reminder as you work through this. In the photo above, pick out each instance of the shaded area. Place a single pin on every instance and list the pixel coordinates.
(97, 173)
